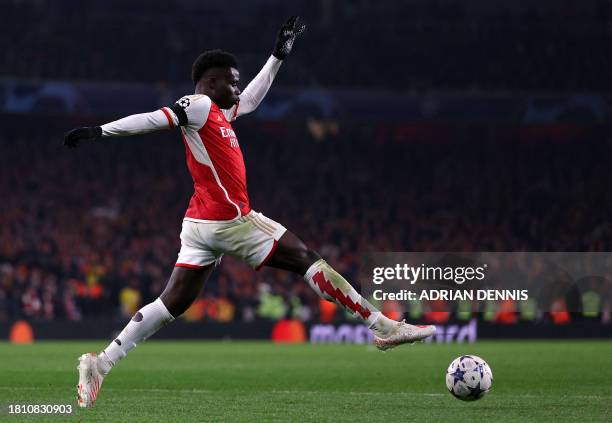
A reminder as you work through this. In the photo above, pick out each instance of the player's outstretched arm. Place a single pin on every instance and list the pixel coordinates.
(254, 93)
(142, 123)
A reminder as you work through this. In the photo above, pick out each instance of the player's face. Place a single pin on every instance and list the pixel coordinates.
(227, 90)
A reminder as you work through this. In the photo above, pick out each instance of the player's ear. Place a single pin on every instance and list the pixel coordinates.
(212, 82)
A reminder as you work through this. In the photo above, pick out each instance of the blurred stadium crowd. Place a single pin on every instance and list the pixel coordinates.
(95, 232)
(400, 45)
(88, 232)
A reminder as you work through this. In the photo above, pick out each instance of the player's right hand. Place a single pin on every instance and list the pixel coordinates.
(86, 133)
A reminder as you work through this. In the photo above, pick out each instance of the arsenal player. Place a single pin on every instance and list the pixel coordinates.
(219, 219)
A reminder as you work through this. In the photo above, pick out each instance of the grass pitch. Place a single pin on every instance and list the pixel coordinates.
(252, 382)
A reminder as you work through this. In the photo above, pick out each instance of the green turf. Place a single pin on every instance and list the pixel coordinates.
(239, 381)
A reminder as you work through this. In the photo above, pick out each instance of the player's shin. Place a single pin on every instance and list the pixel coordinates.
(330, 285)
(144, 323)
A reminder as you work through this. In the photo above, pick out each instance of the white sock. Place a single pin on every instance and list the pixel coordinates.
(330, 285)
(145, 323)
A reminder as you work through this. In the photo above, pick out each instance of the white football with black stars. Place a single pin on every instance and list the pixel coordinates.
(469, 378)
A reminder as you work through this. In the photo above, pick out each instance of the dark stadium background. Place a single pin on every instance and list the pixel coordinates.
(394, 126)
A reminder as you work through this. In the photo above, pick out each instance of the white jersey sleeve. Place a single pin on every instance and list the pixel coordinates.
(256, 90)
(140, 123)
(191, 111)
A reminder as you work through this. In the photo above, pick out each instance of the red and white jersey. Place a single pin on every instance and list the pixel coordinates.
(214, 157)
(214, 160)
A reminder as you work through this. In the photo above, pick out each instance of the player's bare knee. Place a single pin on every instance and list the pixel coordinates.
(312, 256)
(173, 303)
(305, 258)
(179, 293)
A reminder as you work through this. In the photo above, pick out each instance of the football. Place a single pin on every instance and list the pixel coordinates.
(469, 378)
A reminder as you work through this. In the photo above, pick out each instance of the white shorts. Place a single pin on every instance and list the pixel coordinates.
(251, 238)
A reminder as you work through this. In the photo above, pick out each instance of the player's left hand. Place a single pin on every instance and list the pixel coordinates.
(286, 36)
(87, 133)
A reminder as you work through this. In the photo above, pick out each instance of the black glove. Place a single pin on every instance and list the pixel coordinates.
(87, 133)
(286, 36)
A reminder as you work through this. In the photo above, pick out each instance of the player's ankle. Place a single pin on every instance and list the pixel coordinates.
(382, 326)
(104, 364)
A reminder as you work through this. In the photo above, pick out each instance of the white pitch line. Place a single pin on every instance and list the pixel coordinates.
(306, 392)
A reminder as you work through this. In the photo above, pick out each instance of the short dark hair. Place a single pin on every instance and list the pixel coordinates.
(212, 59)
